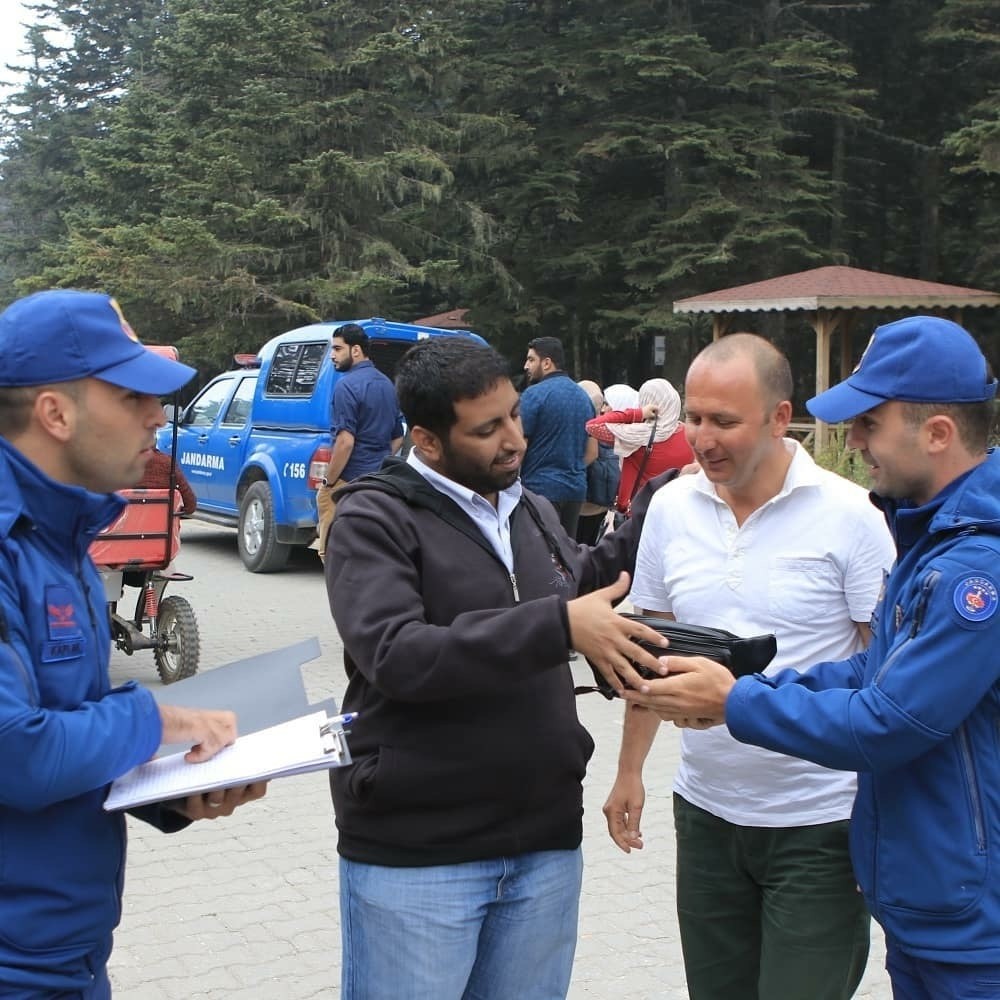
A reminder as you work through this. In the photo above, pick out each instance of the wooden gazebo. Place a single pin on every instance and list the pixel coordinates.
(832, 299)
(454, 319)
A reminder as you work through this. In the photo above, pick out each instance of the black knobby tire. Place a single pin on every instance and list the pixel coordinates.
(257, 538)
(179, 646)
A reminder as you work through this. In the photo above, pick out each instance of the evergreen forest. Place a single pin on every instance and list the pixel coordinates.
(230, 169)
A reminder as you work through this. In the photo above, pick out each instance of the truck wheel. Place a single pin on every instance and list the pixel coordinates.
(260, 549)
(179, 645)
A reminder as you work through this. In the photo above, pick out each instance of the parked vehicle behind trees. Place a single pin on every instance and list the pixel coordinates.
(255, 442)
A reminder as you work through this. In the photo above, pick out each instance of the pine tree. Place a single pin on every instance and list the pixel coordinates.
(78, 60)
(967, 34)
(659, 150)
(275, 165)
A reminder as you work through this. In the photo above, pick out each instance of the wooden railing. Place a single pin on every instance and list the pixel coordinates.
(804, 431)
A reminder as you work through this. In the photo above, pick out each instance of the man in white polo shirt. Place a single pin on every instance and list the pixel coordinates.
(761, 540)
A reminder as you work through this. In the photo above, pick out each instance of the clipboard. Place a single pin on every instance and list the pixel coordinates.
(313, 742)
(262, 690)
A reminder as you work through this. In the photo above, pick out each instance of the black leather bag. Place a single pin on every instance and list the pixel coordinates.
(741, 655)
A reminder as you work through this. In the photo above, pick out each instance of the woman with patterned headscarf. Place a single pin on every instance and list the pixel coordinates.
(649, 437)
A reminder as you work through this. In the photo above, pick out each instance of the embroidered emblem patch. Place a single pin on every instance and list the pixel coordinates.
(65, 638)
(129, 332)
(861, 360)
(976, 598)
(561, 578)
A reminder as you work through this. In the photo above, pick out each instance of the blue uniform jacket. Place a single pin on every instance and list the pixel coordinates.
(918, 717)
(64, 735)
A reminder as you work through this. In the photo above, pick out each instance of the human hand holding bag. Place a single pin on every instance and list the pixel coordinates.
(741, 655)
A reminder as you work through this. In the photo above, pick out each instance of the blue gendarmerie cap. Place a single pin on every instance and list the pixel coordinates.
(920, 359)
(63, 335)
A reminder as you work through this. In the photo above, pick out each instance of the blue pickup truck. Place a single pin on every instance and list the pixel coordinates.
(255, 442)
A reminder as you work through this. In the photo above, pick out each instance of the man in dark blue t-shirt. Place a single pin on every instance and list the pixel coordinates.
(554, 415)
(366, 423)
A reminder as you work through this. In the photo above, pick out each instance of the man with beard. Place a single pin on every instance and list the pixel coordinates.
(458, 597)
(366, 424)
(554, 414)
(915, 714)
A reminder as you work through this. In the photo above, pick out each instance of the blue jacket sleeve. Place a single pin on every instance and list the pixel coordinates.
(929, 679)
(799, 713)
(62, 754)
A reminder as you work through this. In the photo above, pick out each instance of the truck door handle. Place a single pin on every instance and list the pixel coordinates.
(235, 439)
(202, 438)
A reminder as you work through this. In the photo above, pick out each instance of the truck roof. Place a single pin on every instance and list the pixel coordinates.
(375, 327)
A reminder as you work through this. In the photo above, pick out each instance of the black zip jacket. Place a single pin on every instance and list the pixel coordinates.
(468, 744)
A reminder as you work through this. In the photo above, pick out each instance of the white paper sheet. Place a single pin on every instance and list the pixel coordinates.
(308, 743)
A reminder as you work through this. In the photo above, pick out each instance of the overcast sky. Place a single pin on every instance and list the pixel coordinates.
(11, 32)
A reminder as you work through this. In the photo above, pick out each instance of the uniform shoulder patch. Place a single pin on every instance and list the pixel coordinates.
(976, 598)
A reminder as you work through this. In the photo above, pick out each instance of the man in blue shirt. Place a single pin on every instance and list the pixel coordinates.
(554, 415)
(366, 423)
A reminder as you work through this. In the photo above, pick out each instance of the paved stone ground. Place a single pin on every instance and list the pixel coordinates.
(246, 908)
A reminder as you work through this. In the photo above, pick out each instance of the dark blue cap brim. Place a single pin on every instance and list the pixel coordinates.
(842, 402)
(148, 373)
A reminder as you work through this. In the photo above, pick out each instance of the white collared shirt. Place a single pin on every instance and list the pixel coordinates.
(493, 522)
(806, 566)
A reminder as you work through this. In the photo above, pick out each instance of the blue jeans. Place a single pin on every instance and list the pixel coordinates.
(922, 979)
(482, 930)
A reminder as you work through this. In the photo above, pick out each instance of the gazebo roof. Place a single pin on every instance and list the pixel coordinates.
(451, 320)
(833, 297)
(837, 288)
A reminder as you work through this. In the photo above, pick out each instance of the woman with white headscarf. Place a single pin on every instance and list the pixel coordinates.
(621, 396)
(648, 436)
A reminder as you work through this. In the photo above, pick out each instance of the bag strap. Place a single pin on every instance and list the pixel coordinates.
(642, 469)
(555, 550)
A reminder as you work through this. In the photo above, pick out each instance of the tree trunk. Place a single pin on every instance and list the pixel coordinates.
(837, 197)
(930, 201)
